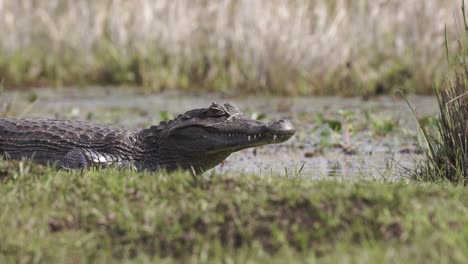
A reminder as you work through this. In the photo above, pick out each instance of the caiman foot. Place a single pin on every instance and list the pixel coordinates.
(74, 160)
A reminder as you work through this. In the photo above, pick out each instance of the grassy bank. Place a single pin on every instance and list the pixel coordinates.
(285, 47)
(51, 216)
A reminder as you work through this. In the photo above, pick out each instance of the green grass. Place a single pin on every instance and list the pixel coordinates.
(447, 155)
(103, 216)
(279, 47)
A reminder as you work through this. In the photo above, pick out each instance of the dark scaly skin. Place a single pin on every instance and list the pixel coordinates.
(50, 140)
(198, 140)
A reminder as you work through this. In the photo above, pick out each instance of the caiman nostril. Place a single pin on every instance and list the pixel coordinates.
(282, 127)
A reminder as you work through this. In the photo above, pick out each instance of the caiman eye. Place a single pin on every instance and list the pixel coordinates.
(216, 111)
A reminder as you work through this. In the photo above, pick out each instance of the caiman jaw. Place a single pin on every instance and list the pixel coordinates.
(270, 133)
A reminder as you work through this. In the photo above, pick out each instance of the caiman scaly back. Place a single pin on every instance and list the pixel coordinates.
(198, 140)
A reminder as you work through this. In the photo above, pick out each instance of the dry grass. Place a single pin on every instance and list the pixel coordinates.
(288, 47)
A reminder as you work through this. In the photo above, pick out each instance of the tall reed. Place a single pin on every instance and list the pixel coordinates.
(447, 158)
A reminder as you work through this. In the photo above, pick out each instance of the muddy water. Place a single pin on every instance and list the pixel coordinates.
(336, 137)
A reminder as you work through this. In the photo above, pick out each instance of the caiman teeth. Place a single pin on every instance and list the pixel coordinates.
(249, 137)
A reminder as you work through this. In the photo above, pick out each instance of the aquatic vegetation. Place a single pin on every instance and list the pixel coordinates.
(165, 116)
(383, 126)
(282, 47)
(258, 115)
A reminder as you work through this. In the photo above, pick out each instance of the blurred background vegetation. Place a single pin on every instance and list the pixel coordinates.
(294, 47)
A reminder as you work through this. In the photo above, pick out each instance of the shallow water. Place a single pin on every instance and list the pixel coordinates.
(377, 137)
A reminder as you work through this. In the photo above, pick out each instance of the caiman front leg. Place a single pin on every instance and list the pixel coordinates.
(75, 159)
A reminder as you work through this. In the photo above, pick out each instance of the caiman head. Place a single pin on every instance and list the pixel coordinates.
(202, 138)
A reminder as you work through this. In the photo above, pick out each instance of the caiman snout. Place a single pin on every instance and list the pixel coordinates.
(282, 126)
(281, 130)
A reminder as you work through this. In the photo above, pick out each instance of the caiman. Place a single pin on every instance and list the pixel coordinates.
(197, 140)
